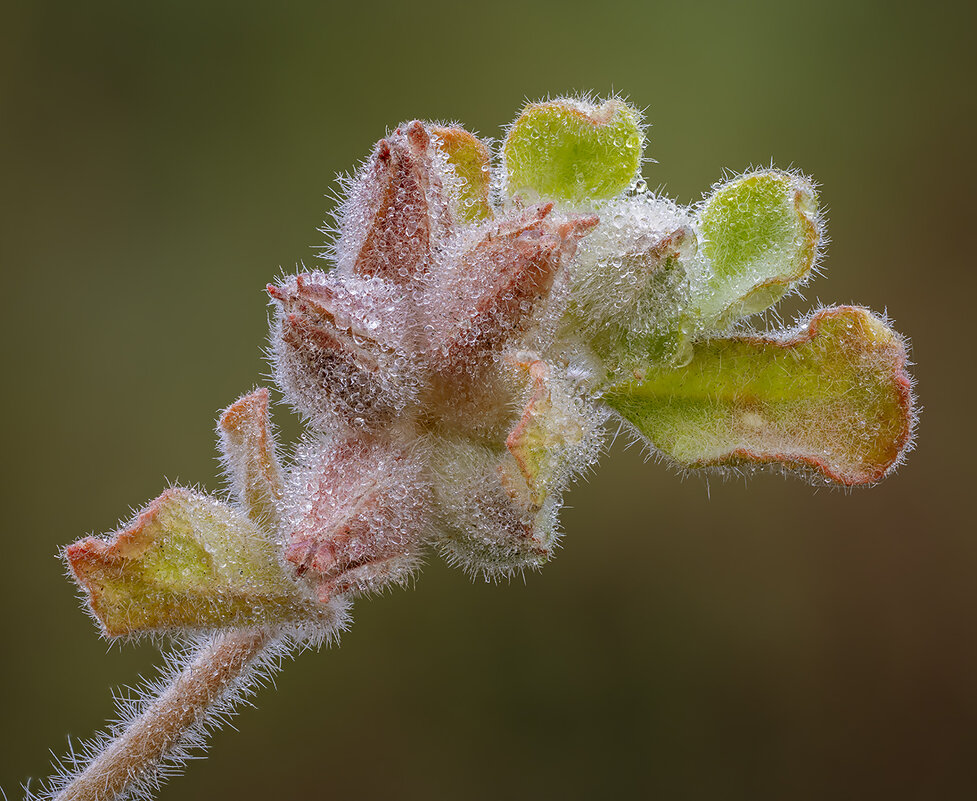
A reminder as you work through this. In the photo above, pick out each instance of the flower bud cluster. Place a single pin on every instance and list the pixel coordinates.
(416, 362)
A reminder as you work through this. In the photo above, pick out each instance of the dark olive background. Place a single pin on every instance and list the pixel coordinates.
(160, 162)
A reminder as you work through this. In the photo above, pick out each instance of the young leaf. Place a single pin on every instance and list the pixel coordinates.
(573, 150)
(833, 396)
(759, 237)
(248, 448)
(187, 561)
(631, 287)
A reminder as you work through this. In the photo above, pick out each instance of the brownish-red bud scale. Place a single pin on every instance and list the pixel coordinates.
(488, 298)
(397, 215)
(341, 349)
(359, 512)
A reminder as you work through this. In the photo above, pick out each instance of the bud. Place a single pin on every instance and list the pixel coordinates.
(489, 297)
(481, 526)
(396, 217)
(498, 505)
(357, 510)
(342, 347)
(630, 285)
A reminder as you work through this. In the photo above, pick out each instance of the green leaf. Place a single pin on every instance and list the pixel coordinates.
(759, 237)
(833, 396)
(573, 150)
(469, 157)
(187, 561)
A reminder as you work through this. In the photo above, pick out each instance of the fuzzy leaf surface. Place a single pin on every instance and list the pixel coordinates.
(759, 237)
(833, 396)
(573, 151)
(187, 561)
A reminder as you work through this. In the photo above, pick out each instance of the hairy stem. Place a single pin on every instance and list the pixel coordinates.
(135, 755)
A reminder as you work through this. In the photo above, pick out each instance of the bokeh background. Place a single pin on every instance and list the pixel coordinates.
(159, 162)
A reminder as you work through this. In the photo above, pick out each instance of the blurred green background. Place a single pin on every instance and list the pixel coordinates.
(160, 162)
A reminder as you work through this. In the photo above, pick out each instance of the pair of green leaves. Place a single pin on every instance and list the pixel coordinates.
(833, 395)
